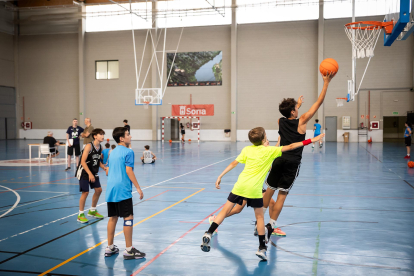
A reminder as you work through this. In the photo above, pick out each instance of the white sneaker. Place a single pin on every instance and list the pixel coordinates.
(205, 246)
(261, 253)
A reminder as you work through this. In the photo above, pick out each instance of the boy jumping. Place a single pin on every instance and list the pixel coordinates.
(119, 193)
(87, 173)
(286, 168)
(248, 188)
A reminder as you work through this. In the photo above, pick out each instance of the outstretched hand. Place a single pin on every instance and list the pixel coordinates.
(328, 77)
(318, 138)
(300, 100)
(218, 183)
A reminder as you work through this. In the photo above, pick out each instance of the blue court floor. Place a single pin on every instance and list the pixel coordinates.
(350, 212)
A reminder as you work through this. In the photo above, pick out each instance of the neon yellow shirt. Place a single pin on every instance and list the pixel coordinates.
(258, 160)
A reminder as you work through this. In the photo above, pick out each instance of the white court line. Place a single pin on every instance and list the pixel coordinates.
(15, 204)
(35, 201)
(27, 231)
(40, 192)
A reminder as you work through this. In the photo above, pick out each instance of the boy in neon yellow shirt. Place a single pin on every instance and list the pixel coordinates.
(248, 188)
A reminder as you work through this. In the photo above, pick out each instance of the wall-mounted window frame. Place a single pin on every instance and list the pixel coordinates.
(108, 72)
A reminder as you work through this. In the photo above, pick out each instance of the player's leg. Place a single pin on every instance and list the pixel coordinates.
(205, 246)
(126, 211)
(77, 153)
(98, 191)
(111, 249)
(237, 209)
(261, 252)
(70, 153)
(84, 188)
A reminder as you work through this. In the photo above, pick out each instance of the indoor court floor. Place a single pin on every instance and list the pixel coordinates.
(350, 212)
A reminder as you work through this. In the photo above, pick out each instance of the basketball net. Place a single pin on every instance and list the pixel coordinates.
(146, 104)
(340, 101)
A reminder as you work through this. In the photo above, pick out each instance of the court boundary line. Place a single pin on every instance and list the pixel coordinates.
(117, 234)
(172, 244)
(14, 205)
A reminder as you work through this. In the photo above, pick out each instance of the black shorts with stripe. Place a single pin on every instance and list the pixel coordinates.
(282, 175)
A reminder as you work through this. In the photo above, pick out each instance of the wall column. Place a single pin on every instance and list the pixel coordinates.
(81, 64)
(321, 34)
(233, 69)
(154, 79)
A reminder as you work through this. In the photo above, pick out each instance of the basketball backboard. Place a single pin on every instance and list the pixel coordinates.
(398, 11)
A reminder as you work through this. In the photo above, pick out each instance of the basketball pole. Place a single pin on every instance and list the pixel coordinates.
(354, 64)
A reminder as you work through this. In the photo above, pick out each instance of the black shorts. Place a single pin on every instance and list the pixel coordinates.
(182, 132)
(282, 175)
(85, 184)
(53, 150)
(251, 202)
(122, 209)
(153, 161)
(77, 150)
(408, 141)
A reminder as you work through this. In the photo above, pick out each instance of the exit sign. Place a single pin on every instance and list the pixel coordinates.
(395, 113)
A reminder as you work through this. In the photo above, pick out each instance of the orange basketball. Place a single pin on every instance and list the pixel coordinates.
(189, 140)
(170, 141)
(411, 164)
(328, 65)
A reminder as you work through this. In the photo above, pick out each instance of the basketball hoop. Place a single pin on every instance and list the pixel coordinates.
(366, 35)
(340, 101)
(146, 104)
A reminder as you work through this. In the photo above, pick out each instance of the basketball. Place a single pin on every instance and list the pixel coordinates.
(411, 164)
(170, 141)
(189, 140)
(328, 65)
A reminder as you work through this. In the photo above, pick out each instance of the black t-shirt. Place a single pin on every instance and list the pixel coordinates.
(49, 140)
(74, 134)
(288, 131)
(128, 127)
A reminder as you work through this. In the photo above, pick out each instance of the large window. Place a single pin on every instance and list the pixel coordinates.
(343, 8)
(101, 18)
(187, 13)
(258, 11)
(106, 69)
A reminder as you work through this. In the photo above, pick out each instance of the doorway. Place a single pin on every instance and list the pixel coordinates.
(7, 113)
(171, 129)
(394, 128)
(330, 129)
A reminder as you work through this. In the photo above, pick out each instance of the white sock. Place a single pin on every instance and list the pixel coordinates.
(111, 246)
(272, 223)
(80, 212)
(408, 154)
(264, 210)
(93, 209)
(128, 248)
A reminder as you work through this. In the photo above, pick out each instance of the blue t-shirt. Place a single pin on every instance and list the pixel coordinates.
(74, 133)
(105, 154)
(119, 185)
(406, 133)
(318, 129)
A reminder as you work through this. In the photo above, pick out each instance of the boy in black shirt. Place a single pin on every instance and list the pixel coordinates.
(49, 139)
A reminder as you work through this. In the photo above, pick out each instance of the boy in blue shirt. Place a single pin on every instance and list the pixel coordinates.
(105, 154)
(119, 193)
(317, 131)
(407, 136)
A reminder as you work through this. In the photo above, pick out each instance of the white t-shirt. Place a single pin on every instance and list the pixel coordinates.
(147, 156)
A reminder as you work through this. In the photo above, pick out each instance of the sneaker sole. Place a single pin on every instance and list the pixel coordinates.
(133, 257)
(205, 246)
(94, 216)
(261, 257)
(83, 221)
(279, 235)
(110, 254)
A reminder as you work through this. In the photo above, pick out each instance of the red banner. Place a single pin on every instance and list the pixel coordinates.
(193, 110)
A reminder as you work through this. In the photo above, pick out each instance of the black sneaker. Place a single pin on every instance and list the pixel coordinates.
(109, 252)
(68, 168)
(133, 254)
(269, 231)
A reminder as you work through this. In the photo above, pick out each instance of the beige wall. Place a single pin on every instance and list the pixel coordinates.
(48, 79)
(275, 61)
(109, 102)
(6, 60)
(213, 38)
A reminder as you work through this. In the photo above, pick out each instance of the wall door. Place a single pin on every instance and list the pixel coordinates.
(330, 129)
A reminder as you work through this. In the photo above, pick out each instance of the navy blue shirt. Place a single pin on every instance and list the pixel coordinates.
(74, 134)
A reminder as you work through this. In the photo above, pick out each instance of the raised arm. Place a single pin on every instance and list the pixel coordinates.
(226, 170)
(304, 119)
(301, 144)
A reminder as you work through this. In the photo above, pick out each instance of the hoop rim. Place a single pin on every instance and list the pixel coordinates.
(147, 103)
(375, 25)
(342, 99)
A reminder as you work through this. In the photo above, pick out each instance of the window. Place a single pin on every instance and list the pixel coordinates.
(343, 8)
(101, 18)
(259, 11)
(107, 69)
(187, 13)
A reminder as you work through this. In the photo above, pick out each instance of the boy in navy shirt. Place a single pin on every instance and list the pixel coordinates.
(119, 193)
(72, 138)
